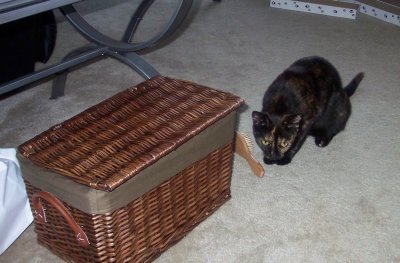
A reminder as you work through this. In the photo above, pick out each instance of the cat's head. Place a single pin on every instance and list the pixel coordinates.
(275, 134)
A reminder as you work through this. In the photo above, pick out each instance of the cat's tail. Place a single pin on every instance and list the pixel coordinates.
(352, 86)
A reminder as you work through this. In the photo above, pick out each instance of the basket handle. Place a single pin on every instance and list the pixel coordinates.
(52, 200)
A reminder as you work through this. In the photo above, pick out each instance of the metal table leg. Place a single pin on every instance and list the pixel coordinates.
(57, 89)
(122, 50)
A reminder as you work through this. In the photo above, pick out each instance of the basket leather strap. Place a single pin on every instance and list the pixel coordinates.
(57, 204)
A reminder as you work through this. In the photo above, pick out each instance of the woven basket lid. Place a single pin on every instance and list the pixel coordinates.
(111, 142)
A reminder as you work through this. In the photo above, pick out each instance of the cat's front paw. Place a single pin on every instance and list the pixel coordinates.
(322, 142)
(268, 161)
(284, 161)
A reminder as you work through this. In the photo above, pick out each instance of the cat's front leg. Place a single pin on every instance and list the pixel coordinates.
(321, 136)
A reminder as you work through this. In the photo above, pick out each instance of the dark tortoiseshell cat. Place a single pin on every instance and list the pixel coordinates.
(306, 99)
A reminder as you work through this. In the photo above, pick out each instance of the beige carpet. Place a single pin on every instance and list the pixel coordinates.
(336, 204)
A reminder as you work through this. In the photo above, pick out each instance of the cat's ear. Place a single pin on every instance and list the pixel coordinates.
(259, 118)
(293, 121)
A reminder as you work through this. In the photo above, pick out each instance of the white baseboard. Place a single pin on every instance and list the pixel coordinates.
(386, 10)
(322, 7)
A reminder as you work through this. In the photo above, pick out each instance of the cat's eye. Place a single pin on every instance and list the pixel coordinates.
(284, 143)
(265, 142)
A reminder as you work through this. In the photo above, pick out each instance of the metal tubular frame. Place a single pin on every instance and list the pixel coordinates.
(102, 46)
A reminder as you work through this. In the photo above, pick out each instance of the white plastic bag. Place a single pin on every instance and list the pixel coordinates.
(15, 212)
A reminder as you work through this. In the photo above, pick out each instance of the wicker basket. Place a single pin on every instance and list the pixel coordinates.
(128, 178)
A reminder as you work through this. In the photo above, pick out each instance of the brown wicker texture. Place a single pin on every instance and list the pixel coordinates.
(111, 142)
(142, 230)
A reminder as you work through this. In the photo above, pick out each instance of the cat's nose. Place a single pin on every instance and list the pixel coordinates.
(272, 156)
(275, 155)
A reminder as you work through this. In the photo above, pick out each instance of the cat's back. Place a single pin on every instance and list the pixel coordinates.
(306, 83)
(301, 76)
(314, 67)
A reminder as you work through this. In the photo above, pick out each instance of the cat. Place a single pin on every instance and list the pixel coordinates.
(306, 99)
